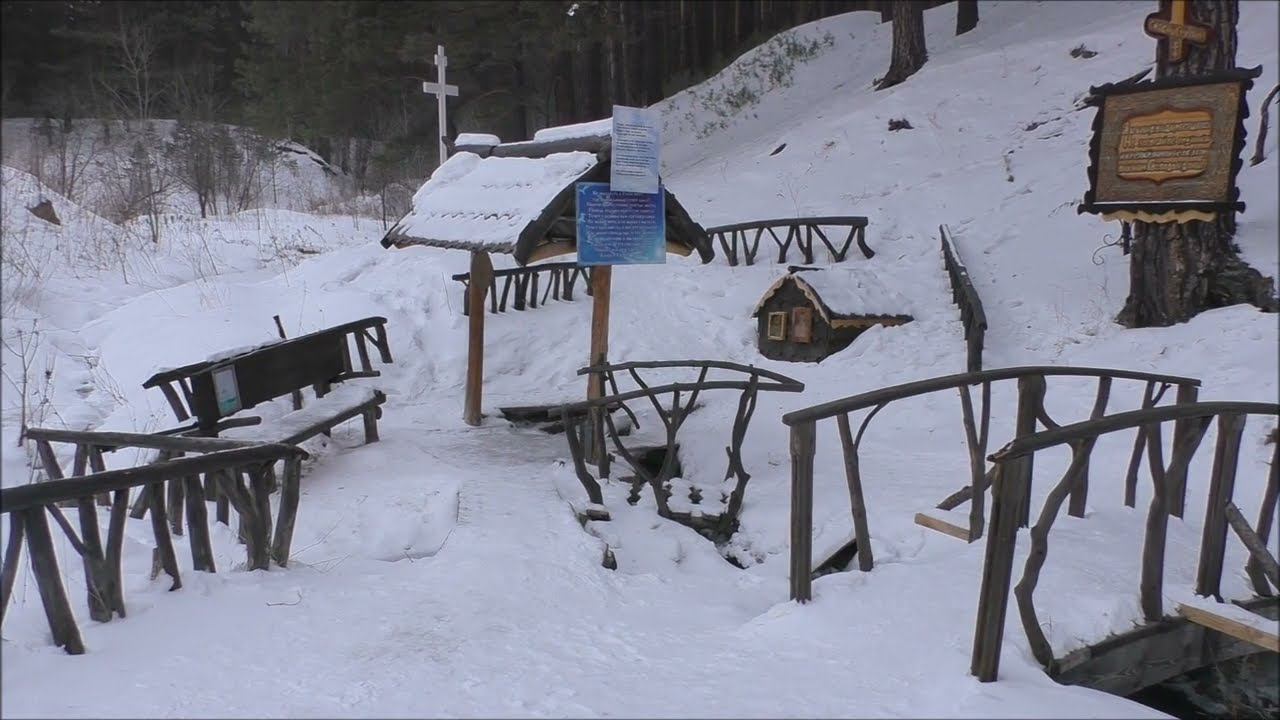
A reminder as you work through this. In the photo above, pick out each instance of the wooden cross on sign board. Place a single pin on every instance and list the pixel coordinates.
(1173, 27)
(441, 90)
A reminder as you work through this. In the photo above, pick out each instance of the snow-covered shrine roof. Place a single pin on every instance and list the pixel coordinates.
(519, 198)
(843, 294)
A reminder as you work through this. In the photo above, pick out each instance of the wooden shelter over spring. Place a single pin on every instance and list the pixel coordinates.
(811, 313)
(520, 199)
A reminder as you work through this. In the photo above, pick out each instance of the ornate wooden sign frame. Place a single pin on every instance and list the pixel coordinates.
(1160, 150)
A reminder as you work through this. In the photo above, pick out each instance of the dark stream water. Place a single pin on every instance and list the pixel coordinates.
(1245, 688)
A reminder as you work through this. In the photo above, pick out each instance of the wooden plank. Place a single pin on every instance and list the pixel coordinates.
(113, 440)
(481, 274)
(1234, 621)
(44, 565)
(1153, 653)
(930, 519)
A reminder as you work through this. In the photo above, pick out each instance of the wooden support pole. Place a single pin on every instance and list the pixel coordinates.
(997, 570)
(1222, 484)
(481, 275)
(803, 443)
(44, 565)
(601, 289)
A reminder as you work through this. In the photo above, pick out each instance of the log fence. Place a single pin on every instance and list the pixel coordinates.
(742, 240)
(179, 464)
(1031, 388)
(520, 285)
(1011, 486)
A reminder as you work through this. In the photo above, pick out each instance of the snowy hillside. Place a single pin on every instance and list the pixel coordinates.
(441, 570)
(108, 166)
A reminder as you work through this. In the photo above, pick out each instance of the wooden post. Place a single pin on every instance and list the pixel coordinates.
(44, 565)
(997, 569)
(1177, 475)
(1222, 484)
(1030, 394)
(601, 288)
(481, 275)
(803, 445)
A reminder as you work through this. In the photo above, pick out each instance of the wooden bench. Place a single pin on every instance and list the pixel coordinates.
(215, 392)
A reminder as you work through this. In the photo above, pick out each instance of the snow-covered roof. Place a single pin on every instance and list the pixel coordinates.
(843, 293)
(477, 140)
(519, 198)
(593, 129)
(486, 203)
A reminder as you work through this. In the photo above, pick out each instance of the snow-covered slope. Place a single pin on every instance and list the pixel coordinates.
(440, 571)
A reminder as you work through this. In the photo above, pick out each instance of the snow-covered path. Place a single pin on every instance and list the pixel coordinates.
(514, 616)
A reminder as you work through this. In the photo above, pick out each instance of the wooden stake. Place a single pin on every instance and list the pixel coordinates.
(481, 276)
(601, 284)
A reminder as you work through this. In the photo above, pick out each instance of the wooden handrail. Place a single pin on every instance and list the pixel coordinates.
(1126, 420)
(966, 298)
(850, 220)
(23, 497)
(946, 382)
(110, 440)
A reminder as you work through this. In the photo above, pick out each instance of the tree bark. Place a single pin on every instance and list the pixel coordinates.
(1178, 270)
(966, 16)
(909, 53)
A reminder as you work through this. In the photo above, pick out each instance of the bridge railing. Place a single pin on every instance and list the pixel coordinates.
(673, 402)
(1032, 388)
(223, 461)
(1011, 487)
(966, 298)
(734, 240)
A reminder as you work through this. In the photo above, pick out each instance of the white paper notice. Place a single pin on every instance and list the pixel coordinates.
(636, 143)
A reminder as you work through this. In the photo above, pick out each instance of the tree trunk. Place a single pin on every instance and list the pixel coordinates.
(1179, 270)
(966, 16)
(909, 53)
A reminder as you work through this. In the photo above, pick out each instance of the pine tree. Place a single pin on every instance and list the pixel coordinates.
(1178, 270)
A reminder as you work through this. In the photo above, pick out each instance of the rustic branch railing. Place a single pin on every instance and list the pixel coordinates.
(799, 230)
(716, 526)
(225, 462)
(1011, 486)
(966, 298)
(558, 285)
(1032, 388)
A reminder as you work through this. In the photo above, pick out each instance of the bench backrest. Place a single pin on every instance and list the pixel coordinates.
(216, 389)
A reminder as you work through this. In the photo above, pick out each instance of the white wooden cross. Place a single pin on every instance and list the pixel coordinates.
(441, 90)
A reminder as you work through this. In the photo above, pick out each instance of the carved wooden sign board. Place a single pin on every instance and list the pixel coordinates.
(1168, 150)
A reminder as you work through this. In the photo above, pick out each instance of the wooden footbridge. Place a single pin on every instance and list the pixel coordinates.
(1201, 628)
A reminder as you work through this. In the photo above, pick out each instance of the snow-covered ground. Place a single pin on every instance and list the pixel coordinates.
(441, 571)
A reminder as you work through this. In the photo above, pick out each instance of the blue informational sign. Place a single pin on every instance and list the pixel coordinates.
(636, 141)
(620, 228)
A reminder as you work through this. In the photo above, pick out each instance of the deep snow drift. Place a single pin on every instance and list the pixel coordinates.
(441, 571)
